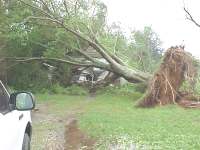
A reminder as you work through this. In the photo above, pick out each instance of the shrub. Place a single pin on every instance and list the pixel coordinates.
(128, 90)
(141, 87)
(197, 88)
(76, 90)
(71, 90)
(56, 89)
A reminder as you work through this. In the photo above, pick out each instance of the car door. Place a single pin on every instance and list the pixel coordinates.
(9, 131)
(9, 123)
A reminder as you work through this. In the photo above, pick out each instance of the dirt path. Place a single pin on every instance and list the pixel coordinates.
(54, 132)
(75, 139)
(46, 134)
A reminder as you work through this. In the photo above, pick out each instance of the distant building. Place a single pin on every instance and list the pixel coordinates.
(91, 74)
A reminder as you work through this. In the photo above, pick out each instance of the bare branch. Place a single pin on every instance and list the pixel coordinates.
(189, 17)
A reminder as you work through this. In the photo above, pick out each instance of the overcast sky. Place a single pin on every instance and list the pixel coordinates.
(166, 17)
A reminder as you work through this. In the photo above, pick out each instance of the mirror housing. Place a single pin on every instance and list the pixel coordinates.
(22, 101)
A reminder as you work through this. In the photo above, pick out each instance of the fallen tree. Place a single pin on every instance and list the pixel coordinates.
(49, 14)
(164, 86)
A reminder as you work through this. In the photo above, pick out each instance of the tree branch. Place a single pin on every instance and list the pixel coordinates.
(58, 60)
(27, 59)
(189, 17)
(117, 59)
(114, 65)
(97, 47)
(86, 55)
(92, 44)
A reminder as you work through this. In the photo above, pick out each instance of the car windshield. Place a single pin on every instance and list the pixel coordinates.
(4, 99)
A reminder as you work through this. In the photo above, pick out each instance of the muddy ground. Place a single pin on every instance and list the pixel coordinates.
(59, 132)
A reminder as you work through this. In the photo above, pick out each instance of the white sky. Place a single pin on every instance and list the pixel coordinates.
(166, 17)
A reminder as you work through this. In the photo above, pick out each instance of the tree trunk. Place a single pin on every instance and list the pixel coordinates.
(131, 75)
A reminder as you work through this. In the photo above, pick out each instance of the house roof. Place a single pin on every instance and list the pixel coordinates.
(92, 52)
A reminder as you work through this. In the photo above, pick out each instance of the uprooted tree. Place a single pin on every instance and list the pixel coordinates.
(177, 66)
(163, 88)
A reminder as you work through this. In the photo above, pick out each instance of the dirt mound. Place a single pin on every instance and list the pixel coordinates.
(75, 139)
(177, 66)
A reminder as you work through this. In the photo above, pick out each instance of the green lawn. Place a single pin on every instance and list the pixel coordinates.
(113, 120)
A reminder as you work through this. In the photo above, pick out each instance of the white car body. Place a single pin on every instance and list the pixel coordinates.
(13, 125)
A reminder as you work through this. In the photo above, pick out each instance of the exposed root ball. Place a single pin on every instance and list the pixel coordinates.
(176, 67)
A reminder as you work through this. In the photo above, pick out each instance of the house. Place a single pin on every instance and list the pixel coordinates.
(90, 74)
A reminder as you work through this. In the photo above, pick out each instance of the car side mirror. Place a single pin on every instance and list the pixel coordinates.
(22, 101)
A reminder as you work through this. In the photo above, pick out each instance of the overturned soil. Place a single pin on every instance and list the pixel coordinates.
(177, 66)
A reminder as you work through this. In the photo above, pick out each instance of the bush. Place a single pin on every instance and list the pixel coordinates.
(56, 89)
(28, 77)
(128, 90)
(76, 90)
(72, 90)
(197, 88)
(141, 87)
(191, 88)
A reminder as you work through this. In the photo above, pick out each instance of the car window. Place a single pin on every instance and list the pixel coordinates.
(4, 99)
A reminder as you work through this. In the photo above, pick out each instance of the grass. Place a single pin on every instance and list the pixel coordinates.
(60, 104)
(113, 120)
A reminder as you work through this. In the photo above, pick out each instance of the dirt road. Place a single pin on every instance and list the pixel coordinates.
(59, 131)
